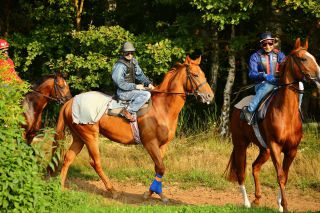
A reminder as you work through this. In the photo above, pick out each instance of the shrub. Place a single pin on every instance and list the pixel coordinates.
(22, 188)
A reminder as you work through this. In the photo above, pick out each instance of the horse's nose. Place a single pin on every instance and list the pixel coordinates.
(209, 97)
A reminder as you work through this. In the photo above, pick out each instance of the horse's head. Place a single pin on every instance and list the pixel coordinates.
(196, 82)
(61, 89)
(302, 64)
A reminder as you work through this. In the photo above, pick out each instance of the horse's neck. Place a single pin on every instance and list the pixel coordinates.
(172, 100)
(287, 98)
(170, 104)
(38, 98)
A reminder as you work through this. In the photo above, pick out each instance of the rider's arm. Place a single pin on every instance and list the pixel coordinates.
(281, 57)
(254, 73)
(118, 74)
(140, 76)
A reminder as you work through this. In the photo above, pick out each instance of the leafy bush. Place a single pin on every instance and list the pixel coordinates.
(22, 188)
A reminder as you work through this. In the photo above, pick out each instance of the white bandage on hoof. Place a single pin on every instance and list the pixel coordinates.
(246, 201)
(279, 198)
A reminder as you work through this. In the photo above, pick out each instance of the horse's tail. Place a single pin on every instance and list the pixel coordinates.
(236, 167)
(231, 173)
(59, 135)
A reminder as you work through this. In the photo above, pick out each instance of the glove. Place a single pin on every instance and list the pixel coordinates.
(270, 78)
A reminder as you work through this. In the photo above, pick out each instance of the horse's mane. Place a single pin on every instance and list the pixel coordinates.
(42, 79)
(169, 76)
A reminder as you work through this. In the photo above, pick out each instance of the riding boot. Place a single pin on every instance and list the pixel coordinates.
(247, 115)
(125, 113)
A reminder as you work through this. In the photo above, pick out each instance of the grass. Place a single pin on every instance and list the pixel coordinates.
(198, 160)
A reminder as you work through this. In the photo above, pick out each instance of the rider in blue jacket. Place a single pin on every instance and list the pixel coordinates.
(263, 68)
(125, 74)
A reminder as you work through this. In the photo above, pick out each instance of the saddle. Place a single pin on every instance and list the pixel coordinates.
(115, 111)
(261, 111)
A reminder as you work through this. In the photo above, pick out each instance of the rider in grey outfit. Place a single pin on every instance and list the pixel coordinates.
(125, 73)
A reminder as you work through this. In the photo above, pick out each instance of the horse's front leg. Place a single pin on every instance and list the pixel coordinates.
(276, 158)
(157, 156)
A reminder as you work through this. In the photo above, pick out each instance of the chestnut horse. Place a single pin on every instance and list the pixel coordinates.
(53, 87)
(281, 128)
(157, 127)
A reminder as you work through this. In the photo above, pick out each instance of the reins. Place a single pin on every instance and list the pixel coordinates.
(46, 96)
(291, 84)
(190, 79)
(56, 92)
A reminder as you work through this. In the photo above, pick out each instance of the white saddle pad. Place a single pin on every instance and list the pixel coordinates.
(88, 108)
(244, 102)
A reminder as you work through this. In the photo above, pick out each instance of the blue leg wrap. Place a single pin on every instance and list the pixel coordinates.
(156, 186)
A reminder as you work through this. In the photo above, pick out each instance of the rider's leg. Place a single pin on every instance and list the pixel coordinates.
(261, 91)
(137, 99)
(140, 97)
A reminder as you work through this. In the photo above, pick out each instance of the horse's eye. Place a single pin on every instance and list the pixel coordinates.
(195, 75)
(303, 59)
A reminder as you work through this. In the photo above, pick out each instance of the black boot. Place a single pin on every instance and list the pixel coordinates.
(247, 115)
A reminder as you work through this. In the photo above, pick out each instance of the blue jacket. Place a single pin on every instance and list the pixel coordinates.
(119, 71)
(256, 70)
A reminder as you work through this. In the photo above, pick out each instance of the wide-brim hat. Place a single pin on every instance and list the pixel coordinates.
(266, 36)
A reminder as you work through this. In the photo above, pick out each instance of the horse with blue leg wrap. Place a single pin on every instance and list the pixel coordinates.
(157, 126)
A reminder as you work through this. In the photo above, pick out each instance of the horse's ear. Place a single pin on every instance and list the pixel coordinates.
(306, 44)
(297, 44)
(198, 60)
(187, 60)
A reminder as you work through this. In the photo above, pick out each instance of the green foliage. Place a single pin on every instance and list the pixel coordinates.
(159, 57)
(21, 186)
(310, 6)
(96, 50)
(224, 12)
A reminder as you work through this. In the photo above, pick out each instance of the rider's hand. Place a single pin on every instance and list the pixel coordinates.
(140, 87)
(270, 78)
(150, 86)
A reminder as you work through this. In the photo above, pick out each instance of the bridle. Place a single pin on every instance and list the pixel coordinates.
(57, 91)
(296, 61)
(190, 78)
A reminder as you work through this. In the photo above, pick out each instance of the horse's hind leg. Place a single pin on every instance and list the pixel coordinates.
(93, 148)
(256, 167)
(240, 153)
(73, 151)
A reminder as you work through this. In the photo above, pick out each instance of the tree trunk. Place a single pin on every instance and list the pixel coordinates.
(244, 70)
(79, 7)
(224, 125)
(214, 68)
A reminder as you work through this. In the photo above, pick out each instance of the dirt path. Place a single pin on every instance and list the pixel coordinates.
(132, 194)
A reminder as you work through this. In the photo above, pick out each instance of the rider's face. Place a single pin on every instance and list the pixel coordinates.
(128, 55)
(267, 45)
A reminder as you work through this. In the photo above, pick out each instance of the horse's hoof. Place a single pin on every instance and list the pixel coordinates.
(164, 198)
(115, 194)
(280, 208)
(256, 202)
(147, 195)
(247, 204)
